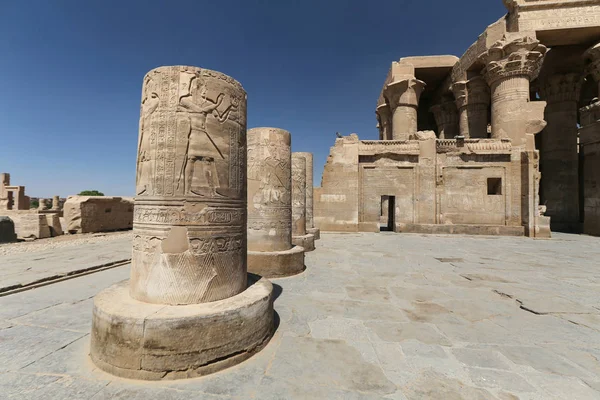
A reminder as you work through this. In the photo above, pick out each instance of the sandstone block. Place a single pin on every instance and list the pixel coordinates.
(7, 230)
(87, 214)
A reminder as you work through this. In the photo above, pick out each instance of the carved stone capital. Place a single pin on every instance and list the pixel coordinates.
(591, 59)
(561, 87)
(473, 91)
(405, 92)
(445, 113)
(383, 112)
(507, 58)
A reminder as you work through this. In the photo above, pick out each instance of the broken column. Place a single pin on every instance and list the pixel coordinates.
(473, 101)
(42, 205)
(190, 307)
(310, 222)
(299, 235)
(559, 157)
(270, 250)
(55, 203)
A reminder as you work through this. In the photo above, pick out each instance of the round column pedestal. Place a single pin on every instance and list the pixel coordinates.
(276, 264)
(307, 241)
(137, 340)
(316, 232)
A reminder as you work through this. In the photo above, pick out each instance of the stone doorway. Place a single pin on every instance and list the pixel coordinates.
(388, 206)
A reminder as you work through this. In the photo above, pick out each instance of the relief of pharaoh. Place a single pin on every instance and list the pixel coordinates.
(199, 170)
(150, 102)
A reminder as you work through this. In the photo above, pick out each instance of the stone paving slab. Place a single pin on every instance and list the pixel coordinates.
(374, 316)
(39, 263)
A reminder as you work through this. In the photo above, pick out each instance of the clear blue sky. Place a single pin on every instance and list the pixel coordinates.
(71, 72)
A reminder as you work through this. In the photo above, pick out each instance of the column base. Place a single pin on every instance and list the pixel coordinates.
(276, 264)
(316, 232)
(307, 241)
(137, 340)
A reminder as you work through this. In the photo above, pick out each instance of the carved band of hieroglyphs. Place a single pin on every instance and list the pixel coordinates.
(169, 215)
(199, 246)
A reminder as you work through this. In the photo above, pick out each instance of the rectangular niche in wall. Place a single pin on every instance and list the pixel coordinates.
(494, 186)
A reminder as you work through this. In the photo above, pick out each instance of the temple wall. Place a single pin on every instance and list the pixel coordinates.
(336, 202)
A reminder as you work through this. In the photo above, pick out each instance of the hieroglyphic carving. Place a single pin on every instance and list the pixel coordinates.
(298, 195)
(269, 190)
(309, 188)
(191, 188)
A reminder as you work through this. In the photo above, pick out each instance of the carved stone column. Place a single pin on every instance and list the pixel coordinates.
(300, 237)
(384, 119)
(446, 118)
(559, 158)
(190, 308)
(589, 138)
(510, 65)
(42, 205)
(55, 203)
(310, 223)
(591, 59)
(270, 250)
(473, 102)
(403, 96)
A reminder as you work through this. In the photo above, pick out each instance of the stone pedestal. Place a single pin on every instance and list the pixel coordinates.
(270, 250)
(310, 222)
(446, 118)
(300, 237)
(189, 308)
(509, 67)
(559, 158)
(403, 96)
(473, 101)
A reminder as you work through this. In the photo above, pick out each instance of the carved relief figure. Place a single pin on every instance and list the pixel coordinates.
(150, 102)
(270, 172)
(202, 151)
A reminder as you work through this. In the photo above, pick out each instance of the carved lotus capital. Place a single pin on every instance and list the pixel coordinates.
(591, 59)
(518, 57)
(405, 92)
(561, 87)
(383, 111)
(473, 91)
(445, 113)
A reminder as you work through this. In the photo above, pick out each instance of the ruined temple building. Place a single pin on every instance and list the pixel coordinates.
(504, 140)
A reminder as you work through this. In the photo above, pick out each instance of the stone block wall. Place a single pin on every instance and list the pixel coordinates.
(87, 214)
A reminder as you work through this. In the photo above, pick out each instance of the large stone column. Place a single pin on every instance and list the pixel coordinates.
(590, 149)
(55, 203)
(270, 249)
(446, 118)
(403, 96)
(310, 222)
(473, 102)
(510, 65)
(42, 205)
(188, 308)
(300, 237)
(559, 158)
(384, 119)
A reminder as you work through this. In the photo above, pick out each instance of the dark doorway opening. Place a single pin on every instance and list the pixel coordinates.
(388, 207)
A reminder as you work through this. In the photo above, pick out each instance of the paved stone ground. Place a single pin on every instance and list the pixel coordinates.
(375, 316)
(23, 263)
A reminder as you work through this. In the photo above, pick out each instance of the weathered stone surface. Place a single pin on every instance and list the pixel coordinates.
(189, 308)
(7, 230)
(270, 251)
(31, 225)
(86, 214)
(310, 222)
(190, 209)
(300, 237)
(12, 197)
(147, 341)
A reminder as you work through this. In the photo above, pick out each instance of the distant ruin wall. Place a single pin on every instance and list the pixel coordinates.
(86, 214)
